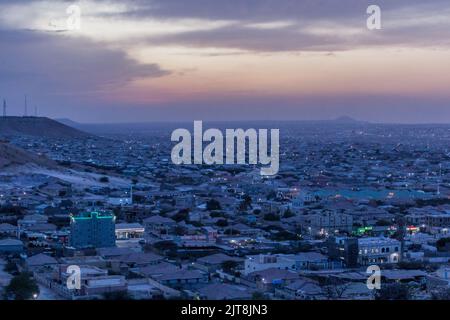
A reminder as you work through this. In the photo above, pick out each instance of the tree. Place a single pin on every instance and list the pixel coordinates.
(216, 214)
(179, 230)
(246, 203)
(222, 223)
(443, 244)
(271, 217)
(164, 245)
(231, 231)
(284, 235)
(383, 223)
(10, 267)
(181, 215)
(335, 289)
(443, 294)
(411, 265)
(118, 295)
(271, 195)
(22, 287)
(257, 295)
(243, 206)
(288, 213)
(394, 291)
(213, 204)
(229, 265)
(415, 247)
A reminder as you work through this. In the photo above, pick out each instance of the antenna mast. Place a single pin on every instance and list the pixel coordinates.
(439, 180)
(26, 106)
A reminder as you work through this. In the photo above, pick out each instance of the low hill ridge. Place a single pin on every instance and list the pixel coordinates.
(37, 126)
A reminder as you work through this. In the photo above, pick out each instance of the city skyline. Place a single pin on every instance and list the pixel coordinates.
(141, 61)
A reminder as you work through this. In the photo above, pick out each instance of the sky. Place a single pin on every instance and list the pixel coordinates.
(172, 60)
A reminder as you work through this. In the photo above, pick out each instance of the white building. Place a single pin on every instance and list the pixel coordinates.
(299, 201)
(329, 223)
(120, 201)
(296, 262)
(126, 231)
(378, 250)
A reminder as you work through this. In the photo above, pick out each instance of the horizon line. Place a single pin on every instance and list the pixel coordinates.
(336, 120)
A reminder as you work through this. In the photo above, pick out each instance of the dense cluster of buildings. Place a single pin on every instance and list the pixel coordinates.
(345, 198)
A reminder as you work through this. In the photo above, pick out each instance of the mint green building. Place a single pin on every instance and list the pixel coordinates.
(93, 230)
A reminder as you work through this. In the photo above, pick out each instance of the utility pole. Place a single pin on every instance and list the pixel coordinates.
(439, 180)
(131, 194)
(26, 106)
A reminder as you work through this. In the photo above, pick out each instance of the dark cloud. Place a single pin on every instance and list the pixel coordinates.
(268, 10)
(303, 14)
(36, 63)
(70, 75)
(293, 38)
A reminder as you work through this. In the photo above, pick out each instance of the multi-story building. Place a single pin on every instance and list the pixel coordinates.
(127, 231)
(438, 220)
(416, 219)
(158, 226)
(300, 200)
(344, 249)
(429, 221)
(296, 262)
(330, 223)
(378, 250)
(8, 230)
(93, 281)
(92, 230)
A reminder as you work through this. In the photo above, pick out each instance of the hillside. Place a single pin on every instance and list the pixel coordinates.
(19, 167)
(13, 156)
(37, 126)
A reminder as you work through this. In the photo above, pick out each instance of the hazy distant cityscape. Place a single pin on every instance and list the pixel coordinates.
(108, 200)
(249, 152)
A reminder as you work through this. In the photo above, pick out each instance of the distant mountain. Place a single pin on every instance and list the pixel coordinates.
(347, 119)
(13, 156)
(38, 126)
